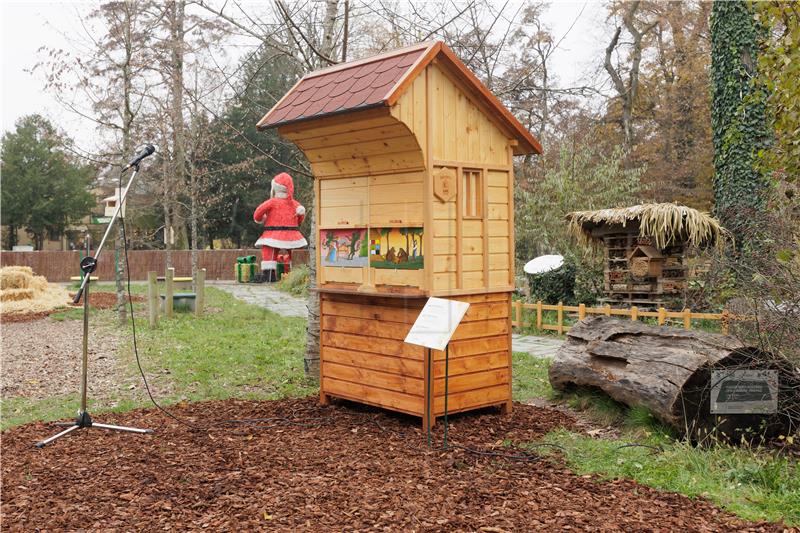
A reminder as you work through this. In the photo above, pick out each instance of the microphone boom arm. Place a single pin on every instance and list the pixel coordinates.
(89, 266)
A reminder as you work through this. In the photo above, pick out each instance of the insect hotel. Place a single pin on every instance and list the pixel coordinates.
(650, 250)
(413, 159)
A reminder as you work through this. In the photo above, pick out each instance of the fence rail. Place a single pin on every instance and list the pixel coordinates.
(662, 315)
(61, 266)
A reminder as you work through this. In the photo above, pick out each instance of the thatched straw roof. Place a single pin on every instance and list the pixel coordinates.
(664, 224)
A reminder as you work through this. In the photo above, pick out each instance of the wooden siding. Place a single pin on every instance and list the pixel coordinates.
(363, 356)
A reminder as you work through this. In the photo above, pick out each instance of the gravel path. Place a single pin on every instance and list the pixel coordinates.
(42, 359)
(266, 296)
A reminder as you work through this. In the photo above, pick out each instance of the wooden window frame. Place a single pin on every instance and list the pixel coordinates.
(476, 213)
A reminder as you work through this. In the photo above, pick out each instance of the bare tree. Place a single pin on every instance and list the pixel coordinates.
(627, 91)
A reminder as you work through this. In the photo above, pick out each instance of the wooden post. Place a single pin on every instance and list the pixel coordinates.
(607, 308)
(560, 317)
(687, 319)
(726, 317)
(152, 299)
(200, 292)
(581, 311)
(518, 313)
(662, 316)
(169, 291)
(539, 314)
(634, 313)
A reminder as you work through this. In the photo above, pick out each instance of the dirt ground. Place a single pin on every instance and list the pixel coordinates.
(296, 466)
(41, 357)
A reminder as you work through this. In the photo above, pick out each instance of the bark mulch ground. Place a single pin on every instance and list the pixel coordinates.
(297, 466)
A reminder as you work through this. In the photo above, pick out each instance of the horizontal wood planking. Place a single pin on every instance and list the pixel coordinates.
(405, 403)
(61, 266)
(343, 217)
(365, 359)
(472, 381)
(473, 399)
(387, 131)
(408, 278)
(338, 125)
(358, 148)
(393, 381)
(385, 163)
(354, 341)
(342, 274)
(386, 363)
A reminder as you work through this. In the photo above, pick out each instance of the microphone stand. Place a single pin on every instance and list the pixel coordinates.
(88, 265)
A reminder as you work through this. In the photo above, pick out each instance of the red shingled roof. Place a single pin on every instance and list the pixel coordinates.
(346, 87)
(379, 81)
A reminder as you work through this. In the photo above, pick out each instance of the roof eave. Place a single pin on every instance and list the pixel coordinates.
(302, 120)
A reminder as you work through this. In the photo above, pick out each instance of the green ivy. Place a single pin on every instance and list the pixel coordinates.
(738, 119)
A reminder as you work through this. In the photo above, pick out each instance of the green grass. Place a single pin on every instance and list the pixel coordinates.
(241, 351)
(755, 484)
(234, 350)
(296, 282)
(529, 377)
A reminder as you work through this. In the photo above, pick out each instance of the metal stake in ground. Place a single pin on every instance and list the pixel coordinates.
(88, 265)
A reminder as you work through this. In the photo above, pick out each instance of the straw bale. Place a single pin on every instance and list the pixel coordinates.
(24, 292)
(12, 295)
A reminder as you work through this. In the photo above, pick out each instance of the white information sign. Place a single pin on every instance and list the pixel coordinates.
(436, 323)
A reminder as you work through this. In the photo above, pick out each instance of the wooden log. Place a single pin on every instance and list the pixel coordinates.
(668, 371)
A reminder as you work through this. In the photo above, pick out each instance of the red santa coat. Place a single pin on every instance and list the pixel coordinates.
(281, 217)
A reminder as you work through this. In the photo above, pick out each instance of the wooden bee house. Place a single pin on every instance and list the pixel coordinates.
(413, 159)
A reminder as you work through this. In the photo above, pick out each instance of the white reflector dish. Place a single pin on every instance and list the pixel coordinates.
(543, 263)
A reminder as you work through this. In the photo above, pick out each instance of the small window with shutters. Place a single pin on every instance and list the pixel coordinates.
(472, 193)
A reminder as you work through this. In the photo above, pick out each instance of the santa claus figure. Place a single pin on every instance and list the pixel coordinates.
(281, 215)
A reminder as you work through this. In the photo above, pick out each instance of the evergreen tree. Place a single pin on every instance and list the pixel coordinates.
(738, 119)
(43, 189)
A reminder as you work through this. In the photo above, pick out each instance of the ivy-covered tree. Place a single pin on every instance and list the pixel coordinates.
(738, 119)
(43, 188)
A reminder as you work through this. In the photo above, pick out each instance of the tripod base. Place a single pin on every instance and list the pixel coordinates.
(83, 420)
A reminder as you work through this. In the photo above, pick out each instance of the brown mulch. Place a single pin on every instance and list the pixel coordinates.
(302, 467)
(97, 300)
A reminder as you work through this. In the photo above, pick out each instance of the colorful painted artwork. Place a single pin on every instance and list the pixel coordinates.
(398, 248)
(343, 247)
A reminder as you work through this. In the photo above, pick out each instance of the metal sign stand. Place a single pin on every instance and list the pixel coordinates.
(88, 265)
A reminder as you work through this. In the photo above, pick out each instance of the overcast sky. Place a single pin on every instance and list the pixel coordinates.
(30, 25)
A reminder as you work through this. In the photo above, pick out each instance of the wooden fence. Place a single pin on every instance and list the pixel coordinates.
(61, 266)
(581, 311)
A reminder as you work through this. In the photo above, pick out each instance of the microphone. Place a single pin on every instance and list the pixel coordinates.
(146, 151)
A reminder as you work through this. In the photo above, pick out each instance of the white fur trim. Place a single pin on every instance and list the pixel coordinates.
(276, 243)
(300, 210)
(269, 265)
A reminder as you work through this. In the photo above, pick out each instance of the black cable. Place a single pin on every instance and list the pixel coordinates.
(133, 327)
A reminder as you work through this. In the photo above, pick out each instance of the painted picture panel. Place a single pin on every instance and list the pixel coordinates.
(343, 247)
(397, 248)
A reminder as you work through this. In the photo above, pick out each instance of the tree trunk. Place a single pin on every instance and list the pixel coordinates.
(176, 19)
(668, 371)
(311, 359)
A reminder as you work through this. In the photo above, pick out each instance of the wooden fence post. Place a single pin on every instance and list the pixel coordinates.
(518, 312)
(687, 319)
(539, 314)
(634, 313)
(169, 291)
(200, 292)
(662, 316)
(581, 311)
(726, 317)
(152, 299)
(560, 317)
